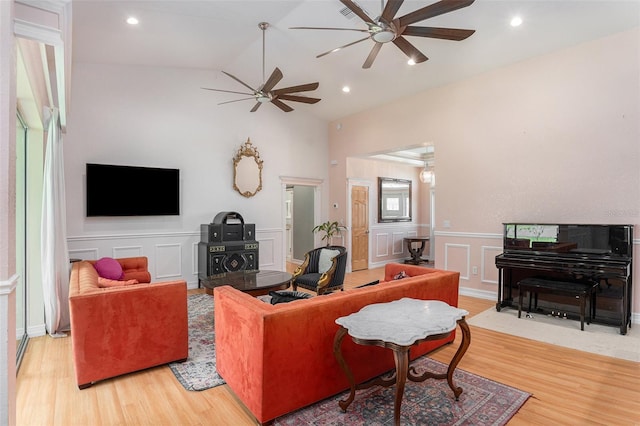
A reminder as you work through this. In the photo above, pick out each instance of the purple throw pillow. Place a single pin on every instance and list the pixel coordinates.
(108, 267)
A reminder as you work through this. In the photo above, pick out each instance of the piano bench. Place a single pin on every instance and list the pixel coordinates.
(582, 291)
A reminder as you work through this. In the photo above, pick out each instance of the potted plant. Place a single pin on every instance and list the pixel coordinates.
(330, 229)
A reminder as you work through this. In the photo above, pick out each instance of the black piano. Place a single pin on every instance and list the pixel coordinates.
(598, 253)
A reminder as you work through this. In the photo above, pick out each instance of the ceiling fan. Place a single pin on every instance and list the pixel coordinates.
(386, 28)
(265, 92)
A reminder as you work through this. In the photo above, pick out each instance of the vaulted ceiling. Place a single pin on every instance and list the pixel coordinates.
(217, 36)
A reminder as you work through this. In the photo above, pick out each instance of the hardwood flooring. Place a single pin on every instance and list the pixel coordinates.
(568, 387)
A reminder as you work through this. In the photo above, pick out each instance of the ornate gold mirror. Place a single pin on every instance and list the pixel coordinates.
(247, 170)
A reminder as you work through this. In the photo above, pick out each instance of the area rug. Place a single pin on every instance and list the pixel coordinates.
(482, 402)
(199, 372)
(596, 338)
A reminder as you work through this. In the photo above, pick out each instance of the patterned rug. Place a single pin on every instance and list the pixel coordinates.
(198, 372)
(482, 402)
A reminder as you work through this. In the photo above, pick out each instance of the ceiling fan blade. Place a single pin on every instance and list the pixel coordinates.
(273, 79)
(356, 9)
(441, 33)
(256, 106)
(341, 47)
(326, 28)
(372, 56)
(435, 9)
(390, 9)
(236, 100)
(295, 89)
(281, 105)
(227, 91)
(240, 81)
(409, 50)
(295, 98)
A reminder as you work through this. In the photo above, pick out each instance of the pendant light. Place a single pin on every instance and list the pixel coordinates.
(426, 175)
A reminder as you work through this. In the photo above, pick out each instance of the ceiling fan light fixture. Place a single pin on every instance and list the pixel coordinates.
(411, 62)
(263, 98)
(383, 36)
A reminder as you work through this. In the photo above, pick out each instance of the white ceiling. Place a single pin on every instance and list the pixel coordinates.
(220, 35)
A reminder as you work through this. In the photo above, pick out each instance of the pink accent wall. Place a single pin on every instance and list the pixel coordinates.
(555, 138)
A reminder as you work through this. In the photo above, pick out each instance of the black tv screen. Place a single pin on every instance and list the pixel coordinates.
(132, 191)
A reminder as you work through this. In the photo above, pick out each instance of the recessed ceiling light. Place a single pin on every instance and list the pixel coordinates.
(516, 21)
(132, 20)
(411, 62)
(346, 89)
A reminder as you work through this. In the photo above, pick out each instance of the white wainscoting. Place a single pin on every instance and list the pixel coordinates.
(473, 255)
(457, 257)
(171, 255)
(387, 240)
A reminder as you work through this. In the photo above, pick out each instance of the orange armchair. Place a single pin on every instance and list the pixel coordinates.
(118, 330)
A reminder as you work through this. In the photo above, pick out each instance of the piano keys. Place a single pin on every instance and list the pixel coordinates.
(568, 252)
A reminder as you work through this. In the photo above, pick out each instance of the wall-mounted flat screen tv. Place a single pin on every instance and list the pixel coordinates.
(114, 190)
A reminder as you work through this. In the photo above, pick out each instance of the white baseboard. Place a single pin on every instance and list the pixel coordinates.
(479, 294)
(37, 330)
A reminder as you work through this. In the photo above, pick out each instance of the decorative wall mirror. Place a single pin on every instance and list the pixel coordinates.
(394, 200)
(247, 170)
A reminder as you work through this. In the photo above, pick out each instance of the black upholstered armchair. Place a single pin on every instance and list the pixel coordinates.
(323, 270)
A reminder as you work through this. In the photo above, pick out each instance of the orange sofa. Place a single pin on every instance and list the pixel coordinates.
(279, 358)
(119, 330)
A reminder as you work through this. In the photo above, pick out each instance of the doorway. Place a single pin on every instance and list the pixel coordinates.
(301, 213)
(299, 221)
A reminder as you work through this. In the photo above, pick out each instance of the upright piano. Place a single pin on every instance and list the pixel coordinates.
(598, 253)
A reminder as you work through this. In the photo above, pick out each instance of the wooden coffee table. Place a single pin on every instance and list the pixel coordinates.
(256, 283)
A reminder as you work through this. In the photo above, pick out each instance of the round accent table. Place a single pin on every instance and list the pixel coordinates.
(256, 283)
(398, 325)
(416, 252)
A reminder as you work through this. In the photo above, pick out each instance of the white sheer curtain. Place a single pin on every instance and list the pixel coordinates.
(55, 256)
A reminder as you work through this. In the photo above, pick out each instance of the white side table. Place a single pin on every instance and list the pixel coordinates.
(398, 325)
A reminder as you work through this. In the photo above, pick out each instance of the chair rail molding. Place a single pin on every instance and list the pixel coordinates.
(172, 255)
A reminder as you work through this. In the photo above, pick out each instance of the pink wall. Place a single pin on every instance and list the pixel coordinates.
(550, 139)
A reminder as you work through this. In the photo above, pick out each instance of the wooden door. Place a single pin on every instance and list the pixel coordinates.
(359, 228)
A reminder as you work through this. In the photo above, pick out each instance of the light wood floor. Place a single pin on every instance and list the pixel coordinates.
(569, 387)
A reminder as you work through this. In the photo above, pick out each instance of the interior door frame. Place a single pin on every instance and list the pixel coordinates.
(317, 197)
(351, 182)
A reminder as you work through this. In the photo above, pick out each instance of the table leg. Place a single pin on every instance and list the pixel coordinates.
(464, 344)
(401, 357)
(337, 352)
(415, 253)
